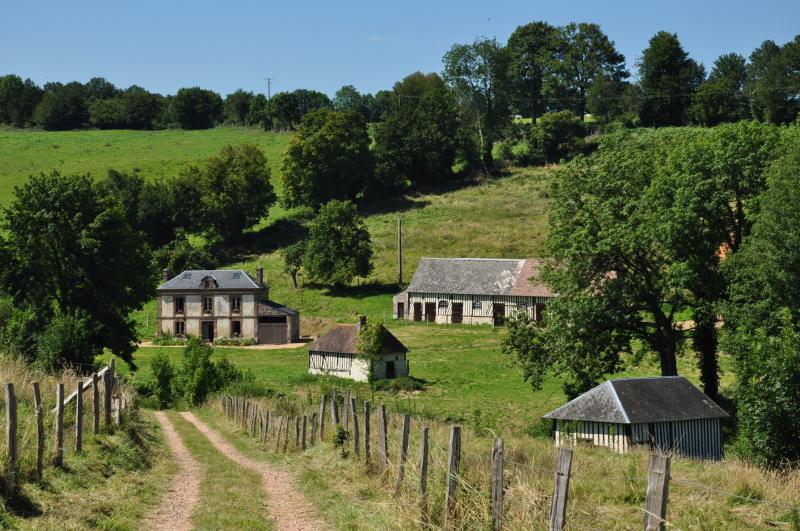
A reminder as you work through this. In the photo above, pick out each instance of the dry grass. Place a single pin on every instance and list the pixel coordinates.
(606, 492)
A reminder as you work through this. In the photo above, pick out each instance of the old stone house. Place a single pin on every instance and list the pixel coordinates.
(472, 291)
(336, 354)
(223, 303)
(666, 413)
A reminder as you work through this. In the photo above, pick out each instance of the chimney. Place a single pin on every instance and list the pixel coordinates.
(362, 320)
(260, 276)
(165, 275)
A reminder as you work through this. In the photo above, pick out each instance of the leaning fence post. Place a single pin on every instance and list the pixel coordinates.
(497, 484)
(423, 477)
(11, 436)
(346, 407)
(286, 436)
(37, 404)
(107, 398)
(403, 455)
(296, 433)
(79, 417)
(322, 404)
(356, 435)
(96, 402)
(453, 462)
(383, 443)
(278, 438)
(367, 414)
(558, 509)
(58, 459)
(303, 438)
(334, 410)
(655, 507)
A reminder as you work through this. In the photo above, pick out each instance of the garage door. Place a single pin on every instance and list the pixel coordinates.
(272, 330)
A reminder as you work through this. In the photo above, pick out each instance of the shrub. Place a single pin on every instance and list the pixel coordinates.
(402, 383)
(163, 377)
(67, 340)
(167, 339)
(199, 376)
(235, 341)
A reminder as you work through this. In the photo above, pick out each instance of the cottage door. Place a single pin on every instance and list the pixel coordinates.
(401, 310)
(390, 370)
(499, 314)
(458, 312)
(418, 311)
(430, 312)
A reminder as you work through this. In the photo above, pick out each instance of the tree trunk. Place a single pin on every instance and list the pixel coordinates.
(705, 343)
(665, 342)
(294, 279)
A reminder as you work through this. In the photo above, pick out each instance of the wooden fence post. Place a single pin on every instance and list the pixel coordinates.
(79, 417)
(401, 472)
(655, 507)
(334, 410)
(39, 412)
(107, 398)
(383, 441)
(558, 509)
(305, 422)
(497, 484)
(11, 436)
(356, 435)
(278, 438)
(96, 402)
(58, 459)
(423, 477)
(453, 463)
(296, 433)
(367, 414)
(346, 407)
(313, 429)
(322, 413)
(286, 436)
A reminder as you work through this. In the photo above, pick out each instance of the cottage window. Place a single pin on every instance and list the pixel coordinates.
(180, 328)
(443, 306)
(236, 304)
(179, 305)
(476, 305)
(236, 328)
(208, 304)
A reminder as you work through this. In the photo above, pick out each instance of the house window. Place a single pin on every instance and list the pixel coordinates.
(179, 305)
(180, 328)
(208, 304)
(236, 304)
(476, 305)
(443, 306)
(236, 328)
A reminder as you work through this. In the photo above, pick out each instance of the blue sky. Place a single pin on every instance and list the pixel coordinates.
(323, 45)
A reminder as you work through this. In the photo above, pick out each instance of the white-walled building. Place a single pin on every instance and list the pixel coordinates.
(472, 291)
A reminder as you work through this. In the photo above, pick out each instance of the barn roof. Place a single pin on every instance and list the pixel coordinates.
(640, 400)
(267, 307)
(225, 278)
(343, 339)
(479, 276)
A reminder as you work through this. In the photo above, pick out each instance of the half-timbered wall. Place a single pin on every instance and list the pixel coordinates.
(354, 367)
(477, 309)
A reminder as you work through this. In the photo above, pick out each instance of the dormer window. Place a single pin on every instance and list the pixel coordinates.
(209, 282)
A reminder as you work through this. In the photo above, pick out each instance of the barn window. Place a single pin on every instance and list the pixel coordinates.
(180, 328)
(236, 328)
(179, 304)
(476, 304)
(208, 304)
(236, 304)
(443, 306)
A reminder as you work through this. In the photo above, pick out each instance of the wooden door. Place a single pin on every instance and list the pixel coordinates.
(401, 310)
(430, 312)
(390, 370)
(499, 314)
(418, 311)
(458, 312)
(208, 331)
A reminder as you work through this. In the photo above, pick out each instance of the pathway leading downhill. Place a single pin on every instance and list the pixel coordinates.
(177, 505)
(288, 509)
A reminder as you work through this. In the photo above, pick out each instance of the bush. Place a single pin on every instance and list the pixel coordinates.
(163, 379)
(235, 341)
(403, 383)
(199, 376)
(167, 339)
(67, 340)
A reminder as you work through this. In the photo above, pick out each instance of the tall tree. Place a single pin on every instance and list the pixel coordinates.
(531, 49)
(721, 97)
(18, 99)
(773, 81)
(668, 79)
(237, 106)
(348, 98)
(583, 54)
(197, 108)
(478, 73)
(62, 107)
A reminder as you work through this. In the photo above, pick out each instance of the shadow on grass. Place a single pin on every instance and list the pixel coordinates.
(19, 504)
(275, 236)
(359, 291)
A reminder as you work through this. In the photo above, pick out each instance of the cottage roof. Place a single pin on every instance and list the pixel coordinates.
(343, 339)
(225, 279)
(640, 400)
(267, 307)
(479, 276)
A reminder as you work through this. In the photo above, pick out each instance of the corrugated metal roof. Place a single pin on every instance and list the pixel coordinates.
(343, 339)
(225, 278)
(640, 400)
(478, 276)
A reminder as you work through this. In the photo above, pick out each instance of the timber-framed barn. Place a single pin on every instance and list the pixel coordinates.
(473, 291)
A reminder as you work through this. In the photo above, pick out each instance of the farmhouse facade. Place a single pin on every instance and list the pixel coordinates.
(336, 354)
(223, 303)
(473, 291)
(667, 414)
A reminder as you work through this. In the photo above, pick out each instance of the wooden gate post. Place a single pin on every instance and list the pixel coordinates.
(96, 402)
(401, 472)
(38, 411)
(497, 484)
(11, 436)
(655, 507)
(322, 414)
(58, 458)
(383, 442)
(356, 435)
(79, 417)
(367, 414)
(558, 509)
(453, 463)
(423, 477)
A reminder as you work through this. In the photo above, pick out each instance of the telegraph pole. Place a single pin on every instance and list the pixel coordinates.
(269, 87)
(399, 251)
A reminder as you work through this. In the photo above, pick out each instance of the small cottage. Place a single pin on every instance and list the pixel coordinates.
(667, 414)
(336, 354)
(473, 291)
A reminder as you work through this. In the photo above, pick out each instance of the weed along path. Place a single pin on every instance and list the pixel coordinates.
(177, 505)
(287, 506)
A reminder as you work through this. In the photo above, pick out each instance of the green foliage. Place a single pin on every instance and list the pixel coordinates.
(197, 108)
(236, 107)
(348, 98)
(338, 248)
(18, 100)
(235, 341)
(327, 158)
(531, 49)
(62, 107)
(68, 339)
(163, 379)
(558, 135)
(293, 256)
(401, 384)
(181, 254)
(721, 97)
(198, 376)
(772, 80)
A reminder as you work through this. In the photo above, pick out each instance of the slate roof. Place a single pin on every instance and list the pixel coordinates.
(640, 400)
(479, 276)
(267, 307)
(226, 279)
(343, 339)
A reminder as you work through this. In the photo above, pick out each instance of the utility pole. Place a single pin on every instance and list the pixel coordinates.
(269, 87)
(399, 251)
